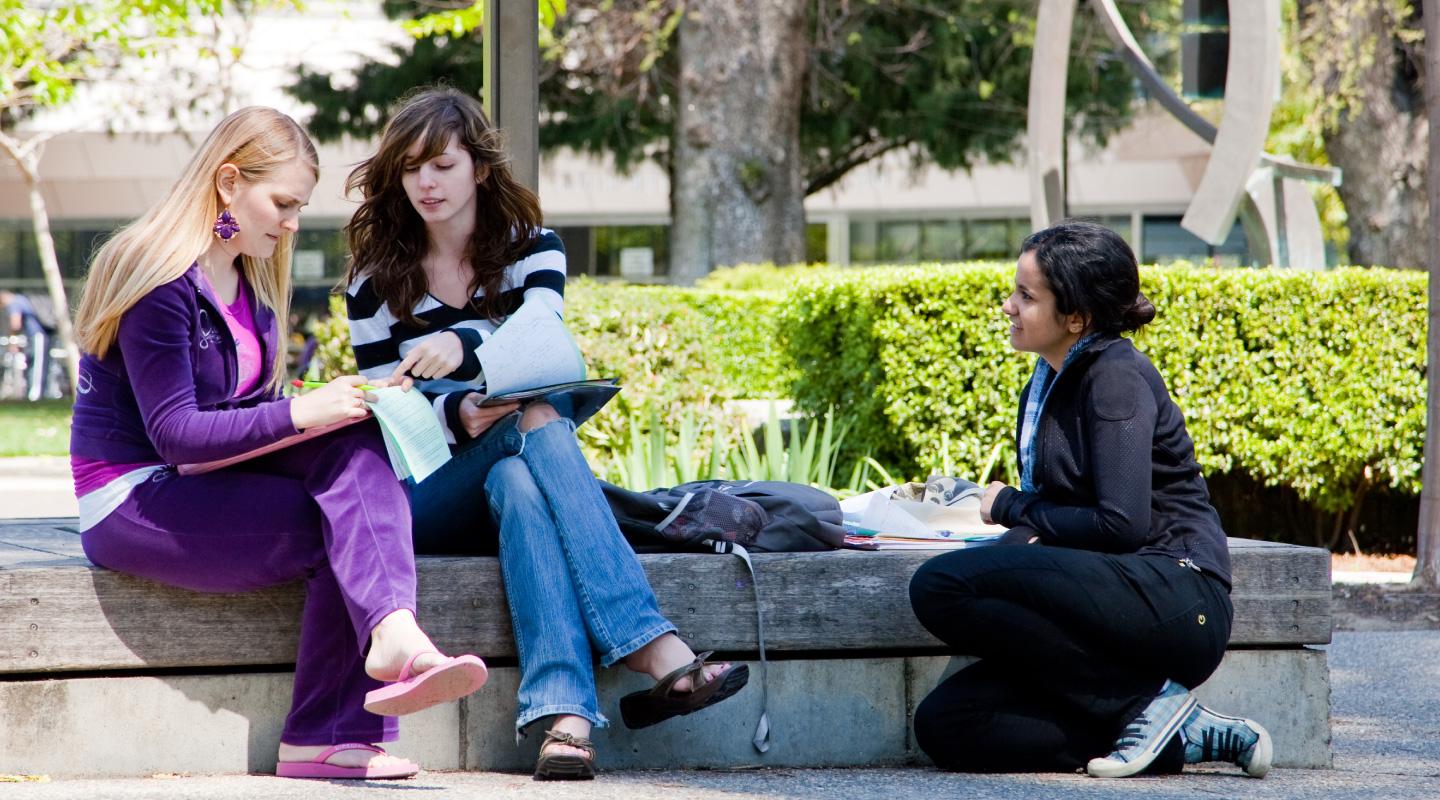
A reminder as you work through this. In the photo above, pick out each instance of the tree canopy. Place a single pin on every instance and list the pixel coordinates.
(945, 81)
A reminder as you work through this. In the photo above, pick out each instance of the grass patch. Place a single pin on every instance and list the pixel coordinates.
(35, 429)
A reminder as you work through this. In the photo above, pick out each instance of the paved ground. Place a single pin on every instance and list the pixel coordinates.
(36, 487)
(1386, 693)
(1386, 731)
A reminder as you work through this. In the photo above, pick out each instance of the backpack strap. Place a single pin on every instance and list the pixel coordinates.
(674, 512)
(761, 740)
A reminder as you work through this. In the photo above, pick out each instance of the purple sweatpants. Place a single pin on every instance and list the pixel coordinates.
(328, 510)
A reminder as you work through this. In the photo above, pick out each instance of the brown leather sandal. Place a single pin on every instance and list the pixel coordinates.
(643, 709)
(565, 766)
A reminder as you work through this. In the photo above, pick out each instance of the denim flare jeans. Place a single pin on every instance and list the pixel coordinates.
(574, 585)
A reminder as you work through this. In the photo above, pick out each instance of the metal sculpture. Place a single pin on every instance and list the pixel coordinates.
(1269, 192)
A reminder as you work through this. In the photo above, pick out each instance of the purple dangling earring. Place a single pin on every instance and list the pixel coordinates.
(225, 226)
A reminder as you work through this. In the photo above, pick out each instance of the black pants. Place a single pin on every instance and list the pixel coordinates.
(1073, 645)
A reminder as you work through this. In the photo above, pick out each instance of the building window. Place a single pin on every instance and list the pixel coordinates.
(1164, 240)
(942, 240)
(320, 257)
(74, 248)
(912, 241)
(10, 253)
(817, 243)
(632, 252)
(995, 239)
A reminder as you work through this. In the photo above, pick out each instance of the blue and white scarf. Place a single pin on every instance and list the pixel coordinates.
(1040, 382)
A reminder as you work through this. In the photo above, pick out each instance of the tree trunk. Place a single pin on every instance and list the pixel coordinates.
(27, 159)
(739, 192)
(1380, 140)
(1427, 538)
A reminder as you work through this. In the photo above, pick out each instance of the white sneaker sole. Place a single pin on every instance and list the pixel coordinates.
(1264, 752)
(1107, 767)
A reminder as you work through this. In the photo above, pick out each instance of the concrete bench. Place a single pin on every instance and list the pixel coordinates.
(104, 674)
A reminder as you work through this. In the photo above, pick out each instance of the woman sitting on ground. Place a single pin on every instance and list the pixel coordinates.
(181, 327)
(1111, 596)
(447, 245)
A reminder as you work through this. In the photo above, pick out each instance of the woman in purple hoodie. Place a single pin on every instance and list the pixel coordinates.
(183, 363)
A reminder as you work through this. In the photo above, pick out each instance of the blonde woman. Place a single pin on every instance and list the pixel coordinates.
(180, 324)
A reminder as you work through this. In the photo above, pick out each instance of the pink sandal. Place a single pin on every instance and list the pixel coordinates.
(318, 767)
(449, 680)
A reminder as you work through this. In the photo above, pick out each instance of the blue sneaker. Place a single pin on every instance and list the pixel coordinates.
(1146, 735)
(1216, 737)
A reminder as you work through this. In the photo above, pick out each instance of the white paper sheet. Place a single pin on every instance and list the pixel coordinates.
(413, 437)
(531, 348)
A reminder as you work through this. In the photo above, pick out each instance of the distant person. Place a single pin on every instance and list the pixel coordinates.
(23, 323)
(446, 246)
(1111, 598)
(180, 323)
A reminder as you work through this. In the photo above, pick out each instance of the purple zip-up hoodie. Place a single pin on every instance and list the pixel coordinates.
(164, 391)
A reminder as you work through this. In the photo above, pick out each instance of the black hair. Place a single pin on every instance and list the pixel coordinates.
(1092, 272)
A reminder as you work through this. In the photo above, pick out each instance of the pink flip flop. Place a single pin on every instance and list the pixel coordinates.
(318, 768)
(449, 680)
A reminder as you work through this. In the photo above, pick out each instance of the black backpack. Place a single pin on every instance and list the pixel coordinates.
(731, 517)
(761, 516)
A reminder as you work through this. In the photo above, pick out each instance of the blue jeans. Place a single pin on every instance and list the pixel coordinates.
(574, 585)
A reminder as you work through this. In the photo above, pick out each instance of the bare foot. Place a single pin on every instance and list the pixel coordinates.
(393, 641)
(344, 758)
(666, 654)
(579, 727)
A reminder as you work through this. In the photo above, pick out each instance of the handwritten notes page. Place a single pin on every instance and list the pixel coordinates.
(530, 349)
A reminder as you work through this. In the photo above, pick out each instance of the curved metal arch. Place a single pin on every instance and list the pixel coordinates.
(1251, 83)
(1281, 221)
(1045, 143)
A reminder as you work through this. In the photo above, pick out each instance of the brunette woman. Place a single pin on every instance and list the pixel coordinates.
(447, 245)
(1114, 600)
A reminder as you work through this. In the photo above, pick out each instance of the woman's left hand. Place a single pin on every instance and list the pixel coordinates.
(477, 418)
(987, 502)
(435, 357)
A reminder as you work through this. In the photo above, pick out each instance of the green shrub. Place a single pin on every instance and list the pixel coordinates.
(765, 277)
(333, 355)
(675, 351)
(1310, 380)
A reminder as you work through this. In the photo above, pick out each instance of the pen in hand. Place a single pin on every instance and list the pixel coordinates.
(299, 384)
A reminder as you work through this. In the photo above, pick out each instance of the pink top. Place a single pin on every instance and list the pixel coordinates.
(91, 474)
(241, 321)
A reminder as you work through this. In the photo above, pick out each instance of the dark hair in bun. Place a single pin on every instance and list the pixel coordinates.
(1091, 271)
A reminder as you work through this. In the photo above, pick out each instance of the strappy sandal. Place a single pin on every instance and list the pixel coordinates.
(643, 709)
(565, 766)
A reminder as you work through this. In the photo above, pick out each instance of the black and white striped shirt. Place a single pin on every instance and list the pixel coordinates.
(381, 341)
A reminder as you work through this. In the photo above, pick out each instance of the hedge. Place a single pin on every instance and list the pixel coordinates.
(676, 350)
(1309, 380)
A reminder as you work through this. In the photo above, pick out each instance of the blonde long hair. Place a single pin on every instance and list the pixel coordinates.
(162, 244)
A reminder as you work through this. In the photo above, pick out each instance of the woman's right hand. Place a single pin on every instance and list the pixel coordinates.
(477, 418)
(338, 400)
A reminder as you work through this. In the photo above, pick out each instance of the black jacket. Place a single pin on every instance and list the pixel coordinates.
(1115, 470)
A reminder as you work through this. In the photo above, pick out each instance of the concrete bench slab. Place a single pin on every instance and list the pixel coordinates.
(61, 613)
(204, 680)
